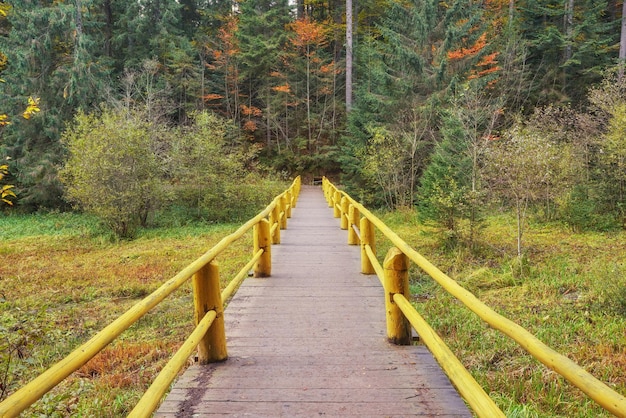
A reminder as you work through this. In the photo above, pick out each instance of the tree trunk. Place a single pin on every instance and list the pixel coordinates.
(300, 9)
(308, 96)
(267, 115)
(519, 228)
(108, 29)
(569, 29)
(79, 20)
(622, 44)
(348, 55)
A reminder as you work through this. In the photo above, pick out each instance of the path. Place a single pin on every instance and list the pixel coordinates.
(310, 340)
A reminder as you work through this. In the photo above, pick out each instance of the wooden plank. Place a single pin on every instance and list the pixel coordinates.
(311, 340)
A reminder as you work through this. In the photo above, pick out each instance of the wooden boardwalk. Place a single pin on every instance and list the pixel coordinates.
(311, 340)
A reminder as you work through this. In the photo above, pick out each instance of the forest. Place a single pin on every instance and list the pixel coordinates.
(447, 106)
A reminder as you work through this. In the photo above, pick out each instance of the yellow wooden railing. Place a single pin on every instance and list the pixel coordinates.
(209, 335)
(401, 314)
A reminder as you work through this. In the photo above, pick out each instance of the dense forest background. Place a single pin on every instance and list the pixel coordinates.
(443, 105)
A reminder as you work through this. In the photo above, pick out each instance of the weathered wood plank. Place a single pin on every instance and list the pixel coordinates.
(311, 340)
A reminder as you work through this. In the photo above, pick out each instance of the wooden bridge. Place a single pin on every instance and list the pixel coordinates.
(309, 334)
(311, 340)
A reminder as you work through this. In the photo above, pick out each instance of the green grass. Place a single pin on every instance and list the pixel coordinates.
(572, 297)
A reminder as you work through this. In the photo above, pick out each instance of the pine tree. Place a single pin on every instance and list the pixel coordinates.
(569, 44)
(444, 195)
(262, 39)
(55, 56)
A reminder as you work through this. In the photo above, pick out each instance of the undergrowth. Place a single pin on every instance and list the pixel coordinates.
(571, 295)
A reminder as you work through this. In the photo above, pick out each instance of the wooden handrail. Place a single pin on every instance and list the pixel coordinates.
(598, 391)
(21, 399)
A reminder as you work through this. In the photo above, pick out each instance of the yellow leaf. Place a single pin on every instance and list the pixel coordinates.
(33, 107)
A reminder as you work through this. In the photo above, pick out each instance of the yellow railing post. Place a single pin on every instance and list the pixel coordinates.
(337, 204)
(207, 297)
(289, 205)
(345, 205)
(275, 222)
(262, 241)
(368, 237)
(396, 266)
(283, 212)
(327, 192)
(353, 220)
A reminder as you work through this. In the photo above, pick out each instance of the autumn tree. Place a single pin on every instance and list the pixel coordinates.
(520, 167)
(6, 190)
(310, 40)
(222, 92)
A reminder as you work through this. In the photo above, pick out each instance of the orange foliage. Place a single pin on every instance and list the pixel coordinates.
(285, 88)
(308, 32)
(250, 111)
(250, 126)
(488, 60)
(227, 46)
(490, 65)
(464, 52)
(328, 68)
(212, 96)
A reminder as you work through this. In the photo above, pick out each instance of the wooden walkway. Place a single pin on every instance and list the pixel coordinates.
(311, 340)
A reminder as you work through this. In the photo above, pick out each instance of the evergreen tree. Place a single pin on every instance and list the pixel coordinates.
(569, 44)
(54, 55)
(421, 55)
(262, 39)
(445, 189)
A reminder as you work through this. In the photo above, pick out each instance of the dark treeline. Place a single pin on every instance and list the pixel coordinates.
(440, 88)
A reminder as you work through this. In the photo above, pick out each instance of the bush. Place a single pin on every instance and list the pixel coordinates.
(581, 213)
(240, 201)
(112, 170)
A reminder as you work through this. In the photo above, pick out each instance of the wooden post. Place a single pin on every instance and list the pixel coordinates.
(336, 204)
(368, 237)
(396, 267)
(283, 212)
(345, 207)
(327, 191)
(353, 219)
(207, 297)
(275, 220)
(262, 240)
(294, 196)
(289, 199)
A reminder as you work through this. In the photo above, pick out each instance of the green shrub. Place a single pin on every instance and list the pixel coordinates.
(112, 169)
(581, 213)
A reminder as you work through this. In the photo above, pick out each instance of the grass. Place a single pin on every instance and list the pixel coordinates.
(62, 280)
(572, 297)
